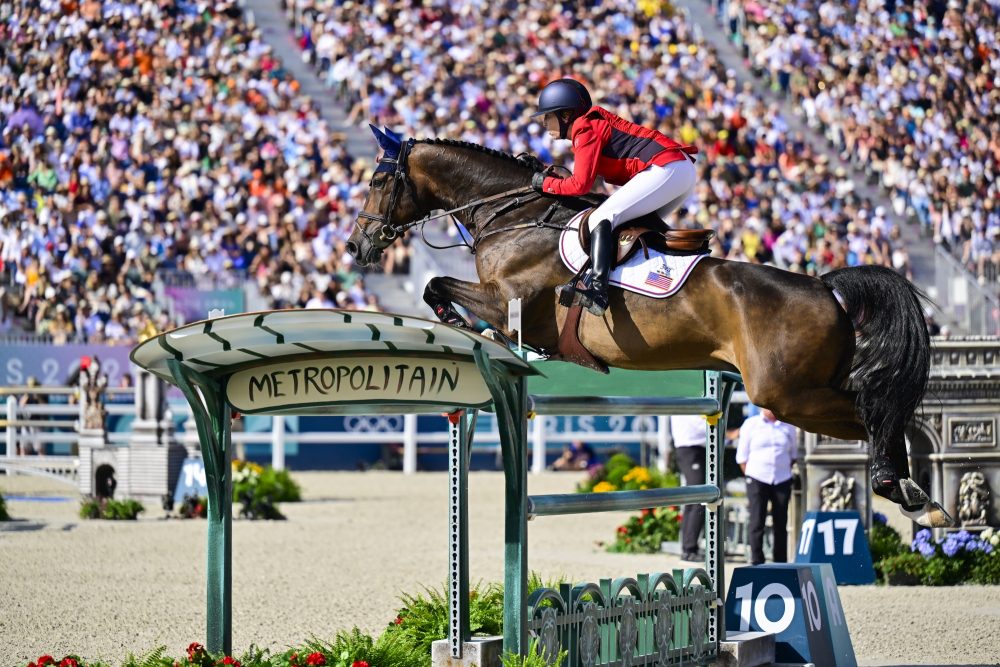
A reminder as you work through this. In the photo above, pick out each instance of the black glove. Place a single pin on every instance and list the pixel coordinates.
(537, 180)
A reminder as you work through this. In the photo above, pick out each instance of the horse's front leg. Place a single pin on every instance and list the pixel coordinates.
(482, 299)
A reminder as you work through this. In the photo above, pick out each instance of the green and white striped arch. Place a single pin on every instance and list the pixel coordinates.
(336, 361)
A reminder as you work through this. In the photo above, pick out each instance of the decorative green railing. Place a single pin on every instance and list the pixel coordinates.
(655, 619)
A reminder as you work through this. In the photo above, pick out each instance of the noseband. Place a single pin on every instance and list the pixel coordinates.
(387, 231)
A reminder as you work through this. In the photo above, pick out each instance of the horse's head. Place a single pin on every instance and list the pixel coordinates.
(390, 206)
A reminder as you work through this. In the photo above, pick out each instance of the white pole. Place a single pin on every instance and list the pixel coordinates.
(538, 444)
(278, 442)
(409, 444)
(662, 442)
(11, 430)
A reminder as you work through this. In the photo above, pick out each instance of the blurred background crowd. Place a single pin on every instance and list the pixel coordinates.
(144, 143)
(909, 91)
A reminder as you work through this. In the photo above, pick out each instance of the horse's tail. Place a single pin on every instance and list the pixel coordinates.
(892, 359)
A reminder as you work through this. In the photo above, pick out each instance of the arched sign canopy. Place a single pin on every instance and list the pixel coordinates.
(333, 362)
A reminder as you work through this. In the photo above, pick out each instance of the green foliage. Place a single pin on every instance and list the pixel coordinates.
(954, 558)
(903, 569)
(645, 533)
(259, 490)
(883, 542)
(193, 507)
(109, 508)
(622, 473)
(351, 648)
(533, 659)
(3, 509)
(424, 617)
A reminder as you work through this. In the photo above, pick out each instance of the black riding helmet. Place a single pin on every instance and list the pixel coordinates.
(564, 95)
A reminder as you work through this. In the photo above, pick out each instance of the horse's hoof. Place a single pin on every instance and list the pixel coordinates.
(912, 496)
(930, 515)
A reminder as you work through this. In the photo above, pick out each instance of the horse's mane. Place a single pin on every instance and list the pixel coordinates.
(524, 164)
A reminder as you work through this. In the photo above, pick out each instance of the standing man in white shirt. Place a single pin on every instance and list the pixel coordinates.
(765, 453)
(688, 433)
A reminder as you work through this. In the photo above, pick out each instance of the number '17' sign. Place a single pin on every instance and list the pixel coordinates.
(835, 538)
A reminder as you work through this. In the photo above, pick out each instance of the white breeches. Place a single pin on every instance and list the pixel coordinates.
(655, 189)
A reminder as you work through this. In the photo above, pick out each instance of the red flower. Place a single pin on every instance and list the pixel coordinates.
(622, 530)
(46, 660)
(292, 660)
(69, 662)
(194, 648)
(639, 521)
(229, 660)
(359, 663)
(399, 620)
(646, 512)
(316, 658)
(31, 664)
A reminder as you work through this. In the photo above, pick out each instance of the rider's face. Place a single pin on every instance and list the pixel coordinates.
(551, 122)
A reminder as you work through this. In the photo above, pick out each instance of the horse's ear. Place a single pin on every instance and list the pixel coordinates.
(398, 138)
(379, 135)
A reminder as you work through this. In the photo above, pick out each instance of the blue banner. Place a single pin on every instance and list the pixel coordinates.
(191, 304)
(52, 365)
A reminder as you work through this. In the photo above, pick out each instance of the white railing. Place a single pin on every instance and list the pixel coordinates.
(56, 423)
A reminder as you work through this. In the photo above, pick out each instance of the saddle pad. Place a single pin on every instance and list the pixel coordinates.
(658, 277)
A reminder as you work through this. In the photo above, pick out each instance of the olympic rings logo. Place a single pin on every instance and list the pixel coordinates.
(380, 424)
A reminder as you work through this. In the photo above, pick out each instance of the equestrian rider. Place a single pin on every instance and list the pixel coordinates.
(656, 174)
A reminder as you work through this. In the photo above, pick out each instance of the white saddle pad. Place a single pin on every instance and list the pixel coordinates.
(658, 277)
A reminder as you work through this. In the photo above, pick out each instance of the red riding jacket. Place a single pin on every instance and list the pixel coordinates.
(607, 145)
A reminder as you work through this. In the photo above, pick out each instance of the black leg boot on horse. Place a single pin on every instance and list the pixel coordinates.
(602, 255)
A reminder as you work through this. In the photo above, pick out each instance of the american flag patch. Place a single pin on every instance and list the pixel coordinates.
(659, 280)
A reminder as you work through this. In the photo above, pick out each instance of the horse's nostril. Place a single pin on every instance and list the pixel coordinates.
(352, 248)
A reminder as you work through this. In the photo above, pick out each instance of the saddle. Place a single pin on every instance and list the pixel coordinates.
(647, 232)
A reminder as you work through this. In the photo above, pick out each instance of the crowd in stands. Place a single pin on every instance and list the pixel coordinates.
(472, 72)
(910, 91)
(150, 140)
(143, 140)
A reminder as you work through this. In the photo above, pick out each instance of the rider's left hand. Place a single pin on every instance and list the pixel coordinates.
(537, 180)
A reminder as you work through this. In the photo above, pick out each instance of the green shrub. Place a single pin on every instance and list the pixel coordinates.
(259, 489)
(955, 558)
(109, 508)
(424, 617)
(3, 509)
(533, 659)
(621, 473)
(646, 533)
(883, 542)
(348, 648)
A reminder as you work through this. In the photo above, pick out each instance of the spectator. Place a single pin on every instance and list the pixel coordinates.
(765, 453)
(688, 432)
(577, 455)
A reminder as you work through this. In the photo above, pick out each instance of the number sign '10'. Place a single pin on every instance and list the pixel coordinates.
(799, 605)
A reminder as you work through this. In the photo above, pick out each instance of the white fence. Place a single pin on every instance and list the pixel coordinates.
(37, 424)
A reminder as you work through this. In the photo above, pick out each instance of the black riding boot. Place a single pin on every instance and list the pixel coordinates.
(602, 254)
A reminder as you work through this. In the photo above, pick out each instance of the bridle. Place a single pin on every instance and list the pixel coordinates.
(389, 232)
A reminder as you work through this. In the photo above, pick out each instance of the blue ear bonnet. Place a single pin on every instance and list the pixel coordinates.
(391, 145)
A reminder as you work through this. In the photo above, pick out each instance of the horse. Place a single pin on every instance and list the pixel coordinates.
(845, 355)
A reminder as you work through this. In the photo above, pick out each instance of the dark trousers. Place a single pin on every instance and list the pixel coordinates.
(758, 496)
(691, 461)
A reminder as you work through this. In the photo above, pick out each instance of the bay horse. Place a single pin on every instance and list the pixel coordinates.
(856, 371)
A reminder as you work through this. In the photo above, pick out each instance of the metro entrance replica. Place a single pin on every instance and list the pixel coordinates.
(295, 362)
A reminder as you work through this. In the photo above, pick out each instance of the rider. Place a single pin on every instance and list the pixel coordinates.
(656, 174)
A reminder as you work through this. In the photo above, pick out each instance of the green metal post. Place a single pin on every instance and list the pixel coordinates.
(211, 414)
(720, 387)
(462, 428)
(510, 400)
